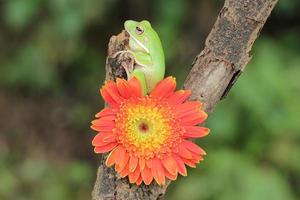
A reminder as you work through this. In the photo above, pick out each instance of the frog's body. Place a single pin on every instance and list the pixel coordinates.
(146, 49)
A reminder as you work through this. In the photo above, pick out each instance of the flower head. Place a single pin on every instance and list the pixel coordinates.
(148, 136)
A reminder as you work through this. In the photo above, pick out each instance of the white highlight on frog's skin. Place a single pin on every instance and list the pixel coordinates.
(139, 43)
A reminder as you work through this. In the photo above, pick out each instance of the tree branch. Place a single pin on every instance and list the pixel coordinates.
(214, 72)
(227, 49)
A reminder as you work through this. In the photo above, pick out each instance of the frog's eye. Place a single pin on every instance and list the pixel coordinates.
(139, 30)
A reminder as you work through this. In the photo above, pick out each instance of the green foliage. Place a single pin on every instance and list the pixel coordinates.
(230, 175)
(19, 14)
(41, 179)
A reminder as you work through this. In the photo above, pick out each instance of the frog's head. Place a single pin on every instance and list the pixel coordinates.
(141, 35)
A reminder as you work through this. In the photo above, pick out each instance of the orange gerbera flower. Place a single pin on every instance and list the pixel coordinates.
(147, 136)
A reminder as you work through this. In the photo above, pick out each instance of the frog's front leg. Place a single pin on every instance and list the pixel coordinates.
(126, 54)
(141, 61)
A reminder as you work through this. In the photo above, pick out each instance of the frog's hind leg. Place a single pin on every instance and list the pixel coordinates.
(139, 74)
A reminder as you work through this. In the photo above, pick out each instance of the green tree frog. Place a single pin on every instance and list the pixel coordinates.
(146, 50)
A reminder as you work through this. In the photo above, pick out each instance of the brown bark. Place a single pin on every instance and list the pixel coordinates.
(214, 72)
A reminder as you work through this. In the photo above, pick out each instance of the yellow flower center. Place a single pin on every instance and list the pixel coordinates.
(146, 127)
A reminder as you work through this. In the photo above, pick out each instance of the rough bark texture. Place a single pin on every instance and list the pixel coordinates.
(227, 48)
(214, 71)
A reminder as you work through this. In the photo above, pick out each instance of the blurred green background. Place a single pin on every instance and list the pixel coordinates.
(52, 56)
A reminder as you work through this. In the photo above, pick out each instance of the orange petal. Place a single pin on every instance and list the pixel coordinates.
(105, 112)
(147, 175)
(179, 97)
(121, 158)
(133, 163)
(117, 168)
(149, 163)
(120, 153)
(113, 91)
(170, 164)
(189, 163)
(102, 139)
(193, 147)
(101, 128)
(195, 131)
(194, 118)
(124, 88)
(196, 157)
(106, 148)
(124, 161)
(108, 118)
(110, 160)
(136, 87)
(180, 165)
(164, 88)
(133, 177)
(183, 109)
(172, 177)
(183, 152)
(184, 113)
(102, 125)
(157, 171)
(124, 172)
(103, 122)
(142, 163)
(107, 98)
(139, 181)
